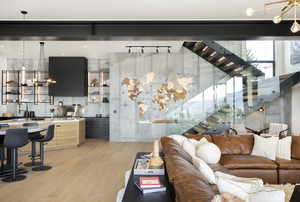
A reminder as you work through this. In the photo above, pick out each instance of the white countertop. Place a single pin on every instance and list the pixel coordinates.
(54, 120)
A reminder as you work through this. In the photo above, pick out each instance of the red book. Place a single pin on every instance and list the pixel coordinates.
(150, 182)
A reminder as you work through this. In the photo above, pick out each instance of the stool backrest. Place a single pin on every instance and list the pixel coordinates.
(30, 124)
(4, 125)
(50, 134)
(16, 137)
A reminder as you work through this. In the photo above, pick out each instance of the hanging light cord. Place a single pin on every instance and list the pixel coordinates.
(295, 11)
(23, 42)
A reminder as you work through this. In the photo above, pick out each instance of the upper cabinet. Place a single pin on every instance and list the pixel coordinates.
(70, 74)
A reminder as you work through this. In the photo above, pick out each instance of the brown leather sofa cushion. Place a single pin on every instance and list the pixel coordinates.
(193, 190)
(188, 182)
(268, 176)
(170, 146)
(246, 162)
(198, 137)
(295, 151)
(234, 144)
(293, 164)
(288, 176)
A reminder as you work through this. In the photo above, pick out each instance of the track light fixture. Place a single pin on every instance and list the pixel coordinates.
(155, 47)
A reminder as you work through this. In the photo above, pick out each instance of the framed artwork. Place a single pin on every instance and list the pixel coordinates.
(295, 52)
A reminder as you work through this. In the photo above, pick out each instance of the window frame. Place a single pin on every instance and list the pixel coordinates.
(273, 62)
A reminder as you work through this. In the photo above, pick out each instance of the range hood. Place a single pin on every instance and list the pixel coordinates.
(70, 74)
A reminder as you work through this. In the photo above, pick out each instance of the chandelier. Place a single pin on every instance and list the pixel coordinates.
(286, 7)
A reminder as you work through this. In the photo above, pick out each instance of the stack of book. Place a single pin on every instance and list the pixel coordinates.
(150, 185)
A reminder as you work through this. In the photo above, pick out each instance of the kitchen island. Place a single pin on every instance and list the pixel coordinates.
(69, 132)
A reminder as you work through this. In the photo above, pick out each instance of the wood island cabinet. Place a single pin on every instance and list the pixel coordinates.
(67, 134)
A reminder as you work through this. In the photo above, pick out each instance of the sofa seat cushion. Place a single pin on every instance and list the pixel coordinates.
(247, 162)
(293, 164)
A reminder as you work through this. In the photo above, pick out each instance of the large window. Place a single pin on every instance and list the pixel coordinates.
(261, 54)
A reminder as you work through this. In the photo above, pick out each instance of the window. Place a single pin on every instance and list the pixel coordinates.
(261, 54)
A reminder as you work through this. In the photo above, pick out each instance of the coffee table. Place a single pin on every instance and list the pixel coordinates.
(296, 194)
(132, 194)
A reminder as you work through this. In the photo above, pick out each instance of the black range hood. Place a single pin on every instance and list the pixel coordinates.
(70, 74)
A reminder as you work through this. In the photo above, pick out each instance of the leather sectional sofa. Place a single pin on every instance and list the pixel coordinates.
(236, 159)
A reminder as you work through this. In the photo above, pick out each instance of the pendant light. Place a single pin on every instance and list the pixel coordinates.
(286, 7)
(24, 13)
(42, 67)
(23, 68)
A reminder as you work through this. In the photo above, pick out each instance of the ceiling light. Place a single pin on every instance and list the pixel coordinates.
(169, 50)
(250, 12)
(157, 51)
(287, 6)
(295, 27)
(23, 13)
(277, 19)
(129, 50)
(142, 50)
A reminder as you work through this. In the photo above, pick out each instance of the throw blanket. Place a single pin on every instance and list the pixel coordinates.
(287, 188)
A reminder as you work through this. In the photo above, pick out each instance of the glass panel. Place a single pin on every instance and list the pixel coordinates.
(266, 68)
(259, 50)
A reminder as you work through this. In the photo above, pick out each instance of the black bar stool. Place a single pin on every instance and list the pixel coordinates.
(2, 148)
(33, 137)
(13, 139)
(48, 137)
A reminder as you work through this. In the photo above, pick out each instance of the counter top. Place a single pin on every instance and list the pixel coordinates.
(48, 120)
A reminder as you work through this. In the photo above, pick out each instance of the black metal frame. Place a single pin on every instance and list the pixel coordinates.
(273, 62)
(147, 30)
(4, 86)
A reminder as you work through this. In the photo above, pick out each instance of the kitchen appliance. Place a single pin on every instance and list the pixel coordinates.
(77, 110)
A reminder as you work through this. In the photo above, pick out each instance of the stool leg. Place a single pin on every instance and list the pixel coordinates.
(14, 176)
(42, 167)
(33, 156)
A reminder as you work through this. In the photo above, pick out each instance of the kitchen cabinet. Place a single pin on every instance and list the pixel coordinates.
(97, 128)
(67, 134)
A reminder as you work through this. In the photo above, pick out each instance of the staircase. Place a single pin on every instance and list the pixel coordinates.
(252, 93)
(222, 58)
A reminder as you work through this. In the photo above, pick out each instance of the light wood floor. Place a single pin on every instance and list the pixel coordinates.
(93, 172)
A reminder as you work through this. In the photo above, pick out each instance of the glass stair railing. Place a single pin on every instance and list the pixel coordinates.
(209, 115)
(227, 98)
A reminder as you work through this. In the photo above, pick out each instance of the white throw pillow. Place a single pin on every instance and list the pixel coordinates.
(189, 147)
(178, 138)
(205, 170)
(265, 147)
(209, 152)
(249, 185)
(198, 142)
(284, 148)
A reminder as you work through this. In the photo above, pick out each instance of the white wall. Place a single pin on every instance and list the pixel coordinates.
(283, 66)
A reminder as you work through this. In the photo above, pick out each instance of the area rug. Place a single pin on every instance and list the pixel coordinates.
(121, 192)
(287, 188)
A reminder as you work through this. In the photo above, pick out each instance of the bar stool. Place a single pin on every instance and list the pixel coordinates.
(2, 148)
(48, 137)
(13, 139)
(32, 137)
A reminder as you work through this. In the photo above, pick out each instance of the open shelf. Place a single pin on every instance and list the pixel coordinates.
(21, 82)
